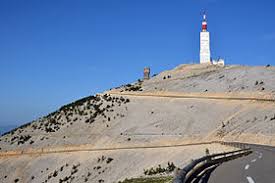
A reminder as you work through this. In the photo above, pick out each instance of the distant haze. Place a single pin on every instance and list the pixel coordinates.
(6, 128)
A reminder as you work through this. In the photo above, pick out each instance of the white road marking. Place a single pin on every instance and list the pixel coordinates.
(254, 160)
(246, 167)
(250, 180)
(261, 155)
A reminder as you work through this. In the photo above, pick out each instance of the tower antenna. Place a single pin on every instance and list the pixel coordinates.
(204, 14)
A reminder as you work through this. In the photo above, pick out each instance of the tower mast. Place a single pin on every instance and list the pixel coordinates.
(204, 42)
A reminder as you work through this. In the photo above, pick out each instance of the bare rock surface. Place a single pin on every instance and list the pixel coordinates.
(114, 120)
(102, 166)
(210, 78)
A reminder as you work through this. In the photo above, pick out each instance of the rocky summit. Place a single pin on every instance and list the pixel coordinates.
(146, 128)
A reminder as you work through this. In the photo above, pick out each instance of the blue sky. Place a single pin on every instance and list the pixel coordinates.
(53, 52)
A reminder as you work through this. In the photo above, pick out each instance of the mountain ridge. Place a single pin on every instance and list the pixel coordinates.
(188, 104)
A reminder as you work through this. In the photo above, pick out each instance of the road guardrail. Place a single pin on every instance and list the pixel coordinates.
(199, 170)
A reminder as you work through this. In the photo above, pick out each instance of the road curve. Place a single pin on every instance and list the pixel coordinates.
(259, 167)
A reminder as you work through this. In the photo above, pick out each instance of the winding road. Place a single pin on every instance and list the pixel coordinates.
(252, 96)
(258, 167)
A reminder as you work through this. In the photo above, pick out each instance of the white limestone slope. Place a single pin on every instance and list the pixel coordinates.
(211, 78)
(116, 120)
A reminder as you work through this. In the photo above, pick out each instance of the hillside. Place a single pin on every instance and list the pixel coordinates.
(152, 113)
(201, 78)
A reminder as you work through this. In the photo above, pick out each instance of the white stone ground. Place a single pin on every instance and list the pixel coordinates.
(199, 78)
(148, 121)
(125, 164)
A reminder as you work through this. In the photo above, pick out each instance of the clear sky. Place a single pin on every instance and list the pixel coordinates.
(53, 52)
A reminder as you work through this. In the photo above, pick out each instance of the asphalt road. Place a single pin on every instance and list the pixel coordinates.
(258, 167)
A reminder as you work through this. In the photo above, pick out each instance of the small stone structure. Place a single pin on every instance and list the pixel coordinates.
(146, 73)
(219, 62)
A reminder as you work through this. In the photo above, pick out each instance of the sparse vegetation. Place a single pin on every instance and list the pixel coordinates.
(133, 88)
(159, 170)
(222, 76)
(109, 160)
(20, 139)
(88, 108)
(101, 111)
(207, 152)
(166, 77)
(70, 177)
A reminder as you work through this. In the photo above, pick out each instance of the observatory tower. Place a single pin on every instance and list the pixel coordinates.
(204, 43)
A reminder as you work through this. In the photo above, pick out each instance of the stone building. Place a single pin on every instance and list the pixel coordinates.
(146, 73)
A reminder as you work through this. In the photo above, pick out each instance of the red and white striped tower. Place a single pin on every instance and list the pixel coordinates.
(204, 43)
(204, 23)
